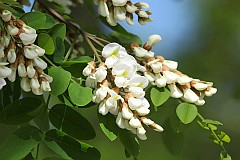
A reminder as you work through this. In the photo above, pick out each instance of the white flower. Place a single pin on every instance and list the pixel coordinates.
(112, 102)
(147, 121)
(25, 84)
(6, 15)
(40, 51)
(127, 125)
(120, 120)
(157, 127)
(170, 77)
(37, 91)
(2, 51)
(142, 136)
(28, 38)
(112, 52)
(190, 96)
(144, 110)
(160, 81)
(135, 122)
(88, 69)
(183, 80)
(103, 9)
(45, 86)
(140, 52)
(138, 81)
(126, 112)
(153, 39)
(4, 71)
(5, 40)
(200, 86)
(101, 73)
(123, 70)
(120, 13)
(137, 92)
(142, 14)
(49, 78)
(103, 109)
(200, 102)
(175, 91)
(12, 76)
(91, 81)
(121, 82)
(149, 76)
(142, 5)
(2, 83)
(129, 20)
(210, 91)
(39, 63)
(131, 8)
(119, 2)
(134, 103)
(11, 56)
(155, 65)
(29, 52)
(141, 130)
(12, 30)
(34, 83)
(28, 29)
(172, 65)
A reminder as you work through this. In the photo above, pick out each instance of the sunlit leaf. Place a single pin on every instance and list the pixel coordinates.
(186, 112)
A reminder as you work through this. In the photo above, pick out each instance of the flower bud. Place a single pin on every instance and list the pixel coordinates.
(143, 111)
(137, 92)
(12, 76)
(5, 40)
(103, 109)
(157, 127)
(160, 81)
(22, 70)
(39, 63)
(127, 125)
(149, 76)
(2, 51)
(153, 39)
(170, 77)
(110, 18)
(126, 112)
(25, 84)
(101, 73)
(211, 91)
(101, 93)
(119, 2)
(142, 136)
(91, 81)
(142, 14)
(29, 52)
(140, 52)
(120, 13)
(134, 103)
(40, 51)
(49, 78)
(175, 91)
(135, 122)
(147, 121)
(199, 86)
(6, 15)
(141, 130)
(11, 56)
(2, 83)
(28, 29)
(200, 102)
(88, 69)
(131, 8)
(34, 83)
(45, 86)
(28, 38)
(103, 9)
(12, 30)
(37, 91)
(141, 5)
(155, 65)
(121, 82)
(183, 80)
(190, 96)
(4, 71)
(172, 65)
(30, 71)
(120, 121)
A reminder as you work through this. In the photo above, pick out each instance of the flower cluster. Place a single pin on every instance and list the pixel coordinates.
(120, 10)
(119, 89)
(164, 73)
(18, 55)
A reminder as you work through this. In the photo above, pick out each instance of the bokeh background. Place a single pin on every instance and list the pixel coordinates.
(204, 37)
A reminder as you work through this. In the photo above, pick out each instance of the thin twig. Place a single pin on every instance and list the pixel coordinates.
(92, 47)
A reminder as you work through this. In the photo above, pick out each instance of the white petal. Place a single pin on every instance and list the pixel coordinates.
(175, 91)
(127, 113)
(119, 2)
(134, 103)
(102, 108)
(39, 63)
(28, 38)
(170, 76)
(120, 121)
(2, 83)
(183, 80)
(153, 39)
(190, 96)
(172, 65)
(135, 122)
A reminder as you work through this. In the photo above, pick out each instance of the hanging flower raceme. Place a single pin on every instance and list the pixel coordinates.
(119, 89)
(164, 73)
(19, 56)
(120, 10)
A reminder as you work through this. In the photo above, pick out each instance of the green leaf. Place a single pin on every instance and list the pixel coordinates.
(10, 2)
(21, 111)
(224, 137)
(74, 149)
(159, 96)
(54, 158)
(186, 112)
(35, 20)
(227, 157)
(79, 95)
(4, 6)
(209, 121)
(20, 143)
(108, 125)
(129, 141)
(81, 59)
(46, 42)
(61, 79)
(59, 53)
(49, 23)
(71, 122)
(59, 30)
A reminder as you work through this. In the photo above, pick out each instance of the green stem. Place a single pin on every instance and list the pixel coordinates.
(48, 60)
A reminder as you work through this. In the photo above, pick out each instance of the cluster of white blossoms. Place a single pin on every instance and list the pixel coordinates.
(120, 10)
(164, 73)
(18, 55)
(119, 82)
(119, 89)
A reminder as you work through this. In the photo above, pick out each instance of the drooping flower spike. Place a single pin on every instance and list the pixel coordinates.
(19, 56)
